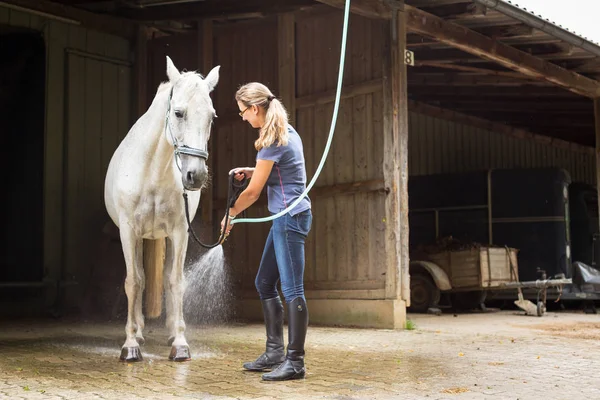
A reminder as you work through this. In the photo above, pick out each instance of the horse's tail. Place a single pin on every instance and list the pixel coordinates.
(154, 261)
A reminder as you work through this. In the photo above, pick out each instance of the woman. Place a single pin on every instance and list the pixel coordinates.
(279, 165)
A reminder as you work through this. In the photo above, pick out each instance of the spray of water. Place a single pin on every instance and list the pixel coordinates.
(209, 292)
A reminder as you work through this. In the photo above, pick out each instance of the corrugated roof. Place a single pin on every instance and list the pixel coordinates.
(549, 21)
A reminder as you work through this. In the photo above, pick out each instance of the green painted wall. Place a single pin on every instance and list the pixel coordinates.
(88, 112)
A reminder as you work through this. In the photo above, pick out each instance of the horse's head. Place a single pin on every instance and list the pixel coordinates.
(189, 118)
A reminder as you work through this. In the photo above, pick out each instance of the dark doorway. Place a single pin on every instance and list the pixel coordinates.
(22, 106)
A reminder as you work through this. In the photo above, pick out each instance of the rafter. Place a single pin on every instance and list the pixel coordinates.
(479, 45)
(482, 71)
(114, 25)
(212, 9)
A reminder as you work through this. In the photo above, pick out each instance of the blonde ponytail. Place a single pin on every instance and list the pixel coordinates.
(276, 118)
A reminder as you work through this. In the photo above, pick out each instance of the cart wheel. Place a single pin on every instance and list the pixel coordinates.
(541, 308)
(424, 294)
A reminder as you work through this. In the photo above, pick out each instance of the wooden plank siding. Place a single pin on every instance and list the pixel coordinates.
(344, 252)
(342, 249)
(441, 146)
(88, 112)
(241, 61)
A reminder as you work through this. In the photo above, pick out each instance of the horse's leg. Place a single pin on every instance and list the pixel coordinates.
(180, 350)
(139, 314)
(132, 250)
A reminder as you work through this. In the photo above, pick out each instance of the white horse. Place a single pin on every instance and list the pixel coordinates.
(163, 153)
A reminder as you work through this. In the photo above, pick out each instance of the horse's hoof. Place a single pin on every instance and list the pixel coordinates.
(180, 353)
(131, 354)
(170, 341)
(140, 340)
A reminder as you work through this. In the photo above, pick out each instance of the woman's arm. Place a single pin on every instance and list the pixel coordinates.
(252, 192)
(257, 183)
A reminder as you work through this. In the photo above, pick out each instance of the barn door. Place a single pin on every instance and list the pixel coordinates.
(97, 117)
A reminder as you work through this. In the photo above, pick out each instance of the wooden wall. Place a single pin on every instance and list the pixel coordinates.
(88, 112)
(344, 252)
(343, 249)
(440, 146)
(98, 115)
(243, 58)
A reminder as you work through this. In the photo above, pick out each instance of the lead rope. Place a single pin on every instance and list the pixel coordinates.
(233, 191)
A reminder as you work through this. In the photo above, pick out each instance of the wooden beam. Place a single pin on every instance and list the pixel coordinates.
(524, 104)
(212, 9)
(433, 3)
(400, 86)
(113, 25)
(316, 99)
(447, 80)
(395, 161)
(340, 189)
(458, 10)
(286, 53)
(477, 44)
(500, 93)
(514, 75)
(370, 186)
(366, 8)
(474, 43)
(532, 110)
(506, 31)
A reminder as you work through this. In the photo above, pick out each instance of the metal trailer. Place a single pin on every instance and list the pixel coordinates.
(526, 209)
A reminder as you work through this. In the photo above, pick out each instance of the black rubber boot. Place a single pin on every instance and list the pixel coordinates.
(274, 353)
(293, 366)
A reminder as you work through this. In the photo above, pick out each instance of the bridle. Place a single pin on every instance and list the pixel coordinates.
(179, 148)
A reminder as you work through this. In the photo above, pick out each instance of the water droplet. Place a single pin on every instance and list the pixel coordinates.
(209, 291)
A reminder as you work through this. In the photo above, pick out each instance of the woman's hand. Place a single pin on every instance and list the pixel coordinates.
(251, 193)
(241, 172)
(226, 224)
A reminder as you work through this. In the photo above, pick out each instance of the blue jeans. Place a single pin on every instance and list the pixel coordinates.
(283, 257)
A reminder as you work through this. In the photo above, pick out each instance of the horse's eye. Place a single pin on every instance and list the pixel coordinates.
(179, 114)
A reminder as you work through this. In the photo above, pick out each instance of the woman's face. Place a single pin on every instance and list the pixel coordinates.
(253, 114)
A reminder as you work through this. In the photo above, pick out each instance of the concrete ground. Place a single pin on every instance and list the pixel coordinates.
(494, 355)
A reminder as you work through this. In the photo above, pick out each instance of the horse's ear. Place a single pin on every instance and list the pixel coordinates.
(212, 78)
(172, 72)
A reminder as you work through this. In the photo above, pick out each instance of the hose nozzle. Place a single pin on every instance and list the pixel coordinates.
(224, 238)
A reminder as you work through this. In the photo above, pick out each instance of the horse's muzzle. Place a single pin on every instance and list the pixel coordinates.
(194, 179)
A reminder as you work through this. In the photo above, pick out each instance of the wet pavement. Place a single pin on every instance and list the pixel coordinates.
(495, 355)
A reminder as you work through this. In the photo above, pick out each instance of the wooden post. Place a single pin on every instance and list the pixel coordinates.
(141, 71)
(154, 261)
(597, 124)
(401, 116)
(395, 168)
(205, 63)
(287, 62)
(154, 250)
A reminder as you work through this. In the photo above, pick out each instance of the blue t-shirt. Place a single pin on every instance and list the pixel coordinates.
(287, 180)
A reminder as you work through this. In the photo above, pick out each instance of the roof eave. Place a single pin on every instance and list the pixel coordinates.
(537, 22)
